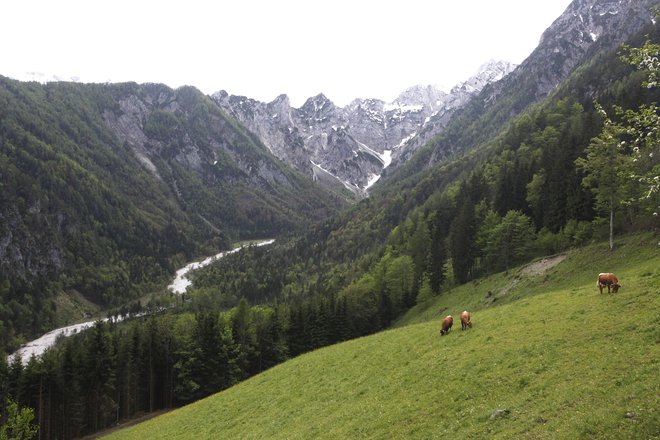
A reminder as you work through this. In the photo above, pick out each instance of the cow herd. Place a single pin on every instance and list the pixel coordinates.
(608, 280)
(448, 322)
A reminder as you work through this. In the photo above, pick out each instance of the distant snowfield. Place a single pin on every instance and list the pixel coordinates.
(179, 286)
(386, 157)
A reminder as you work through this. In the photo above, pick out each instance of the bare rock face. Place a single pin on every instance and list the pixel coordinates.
(350, 146)
(154, 122)
(459, 96)
(585, 28)
(29, 254)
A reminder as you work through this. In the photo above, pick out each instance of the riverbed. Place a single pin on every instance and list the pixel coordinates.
(178, 286)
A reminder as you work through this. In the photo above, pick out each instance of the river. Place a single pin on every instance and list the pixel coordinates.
(178, 286)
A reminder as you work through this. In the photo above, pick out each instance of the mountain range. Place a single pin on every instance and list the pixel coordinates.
(348, 147)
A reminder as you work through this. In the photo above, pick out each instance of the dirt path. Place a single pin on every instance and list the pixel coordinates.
(539, 267)
(531, 270)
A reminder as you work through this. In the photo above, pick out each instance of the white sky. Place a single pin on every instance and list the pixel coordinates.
(345, 49)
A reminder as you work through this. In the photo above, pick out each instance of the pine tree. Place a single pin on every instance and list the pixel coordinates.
(216, 367)
(4, 377)
(271, 340)
(425, 291)
(419, 247)
(244, 334)
(101, 381)
(71, 378)
(438, 222)
(461, 240)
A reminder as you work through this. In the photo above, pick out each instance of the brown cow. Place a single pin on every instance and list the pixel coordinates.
(466, 321)
(446, 325)
(609, 280)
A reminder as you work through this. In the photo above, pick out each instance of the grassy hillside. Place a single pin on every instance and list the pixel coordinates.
(563, 360)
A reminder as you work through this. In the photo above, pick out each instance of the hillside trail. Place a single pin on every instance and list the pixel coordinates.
(534, 269)
(541, 266)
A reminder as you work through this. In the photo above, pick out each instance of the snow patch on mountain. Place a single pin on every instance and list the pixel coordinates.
(353, 144)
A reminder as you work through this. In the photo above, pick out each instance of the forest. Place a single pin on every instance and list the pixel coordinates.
(572, 169)
(87, 227)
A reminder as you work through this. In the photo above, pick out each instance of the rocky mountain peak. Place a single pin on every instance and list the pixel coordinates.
(489, 72)
(584, 21)
(349, 147)
(571, 37)
(586, 28)
(317, 104)
(425, 95)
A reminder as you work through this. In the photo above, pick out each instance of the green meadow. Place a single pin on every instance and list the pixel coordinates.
(548, 357)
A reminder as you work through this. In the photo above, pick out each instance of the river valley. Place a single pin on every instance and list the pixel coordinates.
(178, 286)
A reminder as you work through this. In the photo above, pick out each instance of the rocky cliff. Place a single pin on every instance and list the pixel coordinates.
(105, 185)
(349, 147)
(586, 27)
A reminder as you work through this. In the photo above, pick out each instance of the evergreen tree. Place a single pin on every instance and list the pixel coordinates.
(71, 378)
(297, 331)
(216, 366)
(437, 251)
(400, 284)
(511, 190)
(187, 357)
(244, 334)
(14, 379)
(419, 248)
(270, 337)
(461, 241)
(4, 377)
(101, 381)
(425, 291)
(341, 328)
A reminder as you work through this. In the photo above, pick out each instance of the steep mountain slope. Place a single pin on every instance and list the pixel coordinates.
(584, 29)
(103, 185)
(183, 131)
(551, 359)
(349, 147)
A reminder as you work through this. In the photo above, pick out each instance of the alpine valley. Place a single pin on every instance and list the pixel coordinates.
(505, 195)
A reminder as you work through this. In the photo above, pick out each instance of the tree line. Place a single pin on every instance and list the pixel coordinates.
(115, 371)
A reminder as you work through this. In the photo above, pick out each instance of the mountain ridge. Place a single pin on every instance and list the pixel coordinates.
(351, 144)
(107, 187)
(566, 44)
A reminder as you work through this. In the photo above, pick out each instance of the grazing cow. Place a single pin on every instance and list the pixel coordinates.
(608, 280)
(466, 321)
(446, 325)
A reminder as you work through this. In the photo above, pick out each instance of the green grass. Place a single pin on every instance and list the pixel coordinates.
(565, 361)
